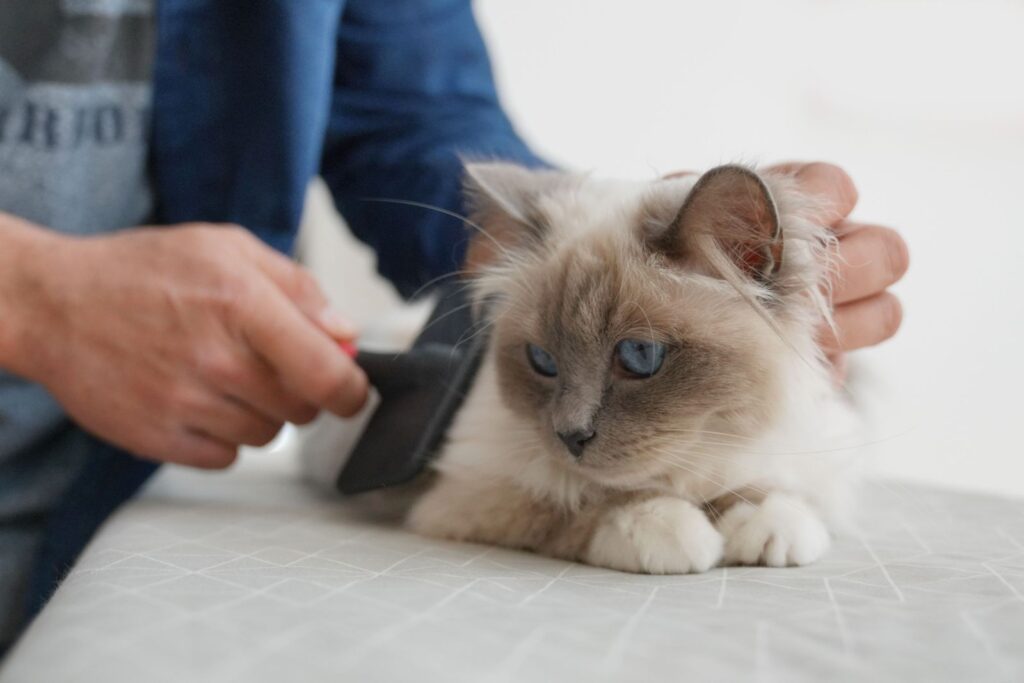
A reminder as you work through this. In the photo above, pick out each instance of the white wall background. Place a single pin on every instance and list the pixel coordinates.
(922, 102)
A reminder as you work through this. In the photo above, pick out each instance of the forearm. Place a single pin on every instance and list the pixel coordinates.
(413, 92)
(409, 212)
(22, 248)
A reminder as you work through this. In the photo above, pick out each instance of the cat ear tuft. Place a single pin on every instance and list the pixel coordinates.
(502, 199)
(729, 211)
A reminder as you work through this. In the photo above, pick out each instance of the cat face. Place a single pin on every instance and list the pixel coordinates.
(631, 318)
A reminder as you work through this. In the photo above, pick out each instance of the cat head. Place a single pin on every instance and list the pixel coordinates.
(632, 320)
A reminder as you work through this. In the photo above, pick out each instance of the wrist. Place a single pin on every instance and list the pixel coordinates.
(24, 250)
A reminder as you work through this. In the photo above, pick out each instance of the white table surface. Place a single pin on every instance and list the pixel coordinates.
(250, 576)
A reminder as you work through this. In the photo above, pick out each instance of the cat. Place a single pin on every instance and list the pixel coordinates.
(652, 382)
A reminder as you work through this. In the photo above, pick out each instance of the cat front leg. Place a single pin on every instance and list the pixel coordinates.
(660, 535)
(781, 531)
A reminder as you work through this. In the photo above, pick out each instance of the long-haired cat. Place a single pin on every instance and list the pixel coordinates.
(653, 393)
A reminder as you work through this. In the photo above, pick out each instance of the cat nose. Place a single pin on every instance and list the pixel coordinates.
(576, 440)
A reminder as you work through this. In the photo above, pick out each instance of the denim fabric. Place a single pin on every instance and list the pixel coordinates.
(381, 97)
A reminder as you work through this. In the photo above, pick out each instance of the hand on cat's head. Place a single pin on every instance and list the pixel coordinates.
(870, 259)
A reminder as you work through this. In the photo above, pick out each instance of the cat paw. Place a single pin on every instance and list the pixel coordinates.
(656, 536)
(783, 531)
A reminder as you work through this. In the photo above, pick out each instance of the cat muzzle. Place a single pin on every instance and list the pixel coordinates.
(576, 440)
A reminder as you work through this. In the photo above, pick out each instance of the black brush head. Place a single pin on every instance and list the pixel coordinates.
(420, 390)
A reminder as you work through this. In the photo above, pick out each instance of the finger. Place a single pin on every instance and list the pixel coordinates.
(229, 421)
(302, 288)
(307, 361)
(194, 449)
(827, 182)
(864, 323)
(259, 387)
(870, 259)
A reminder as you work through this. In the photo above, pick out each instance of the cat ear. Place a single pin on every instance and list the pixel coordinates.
(729, 211)
(502, 200)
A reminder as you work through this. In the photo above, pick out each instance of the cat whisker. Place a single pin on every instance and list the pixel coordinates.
(836, 449)
(701, 432)
(442, 210)
(481, 327)
(735, 459)
(725, 489)
(679, 457)
(439, 279)
(716, 482)
(447, 314)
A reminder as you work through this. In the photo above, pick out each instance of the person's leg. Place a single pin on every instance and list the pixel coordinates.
(33, 478)
(55, 495)
(108, 478)
(19, 544)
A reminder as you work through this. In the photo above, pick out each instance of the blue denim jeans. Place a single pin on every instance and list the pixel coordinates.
(41, 539)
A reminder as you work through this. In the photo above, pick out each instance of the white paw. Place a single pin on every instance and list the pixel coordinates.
(656, 536)
(781, 532)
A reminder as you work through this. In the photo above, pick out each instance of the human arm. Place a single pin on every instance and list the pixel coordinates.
(177, 344)
(413, 91)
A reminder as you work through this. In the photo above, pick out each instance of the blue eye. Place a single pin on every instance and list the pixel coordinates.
(541, 361)
(640, 358)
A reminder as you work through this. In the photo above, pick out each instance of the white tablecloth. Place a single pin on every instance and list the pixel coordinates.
(248, 576)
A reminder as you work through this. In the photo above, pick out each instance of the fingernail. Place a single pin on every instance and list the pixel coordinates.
(337, 325)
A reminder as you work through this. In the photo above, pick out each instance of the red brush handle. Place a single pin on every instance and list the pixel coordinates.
(349, 348)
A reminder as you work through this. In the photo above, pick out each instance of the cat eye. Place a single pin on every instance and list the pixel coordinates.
(541, 361)
(640, 358)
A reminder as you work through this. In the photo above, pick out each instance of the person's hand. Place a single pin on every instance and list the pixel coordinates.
(180, 344)
(869, 259)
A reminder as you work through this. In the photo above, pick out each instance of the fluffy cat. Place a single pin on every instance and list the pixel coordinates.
(653, 385)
